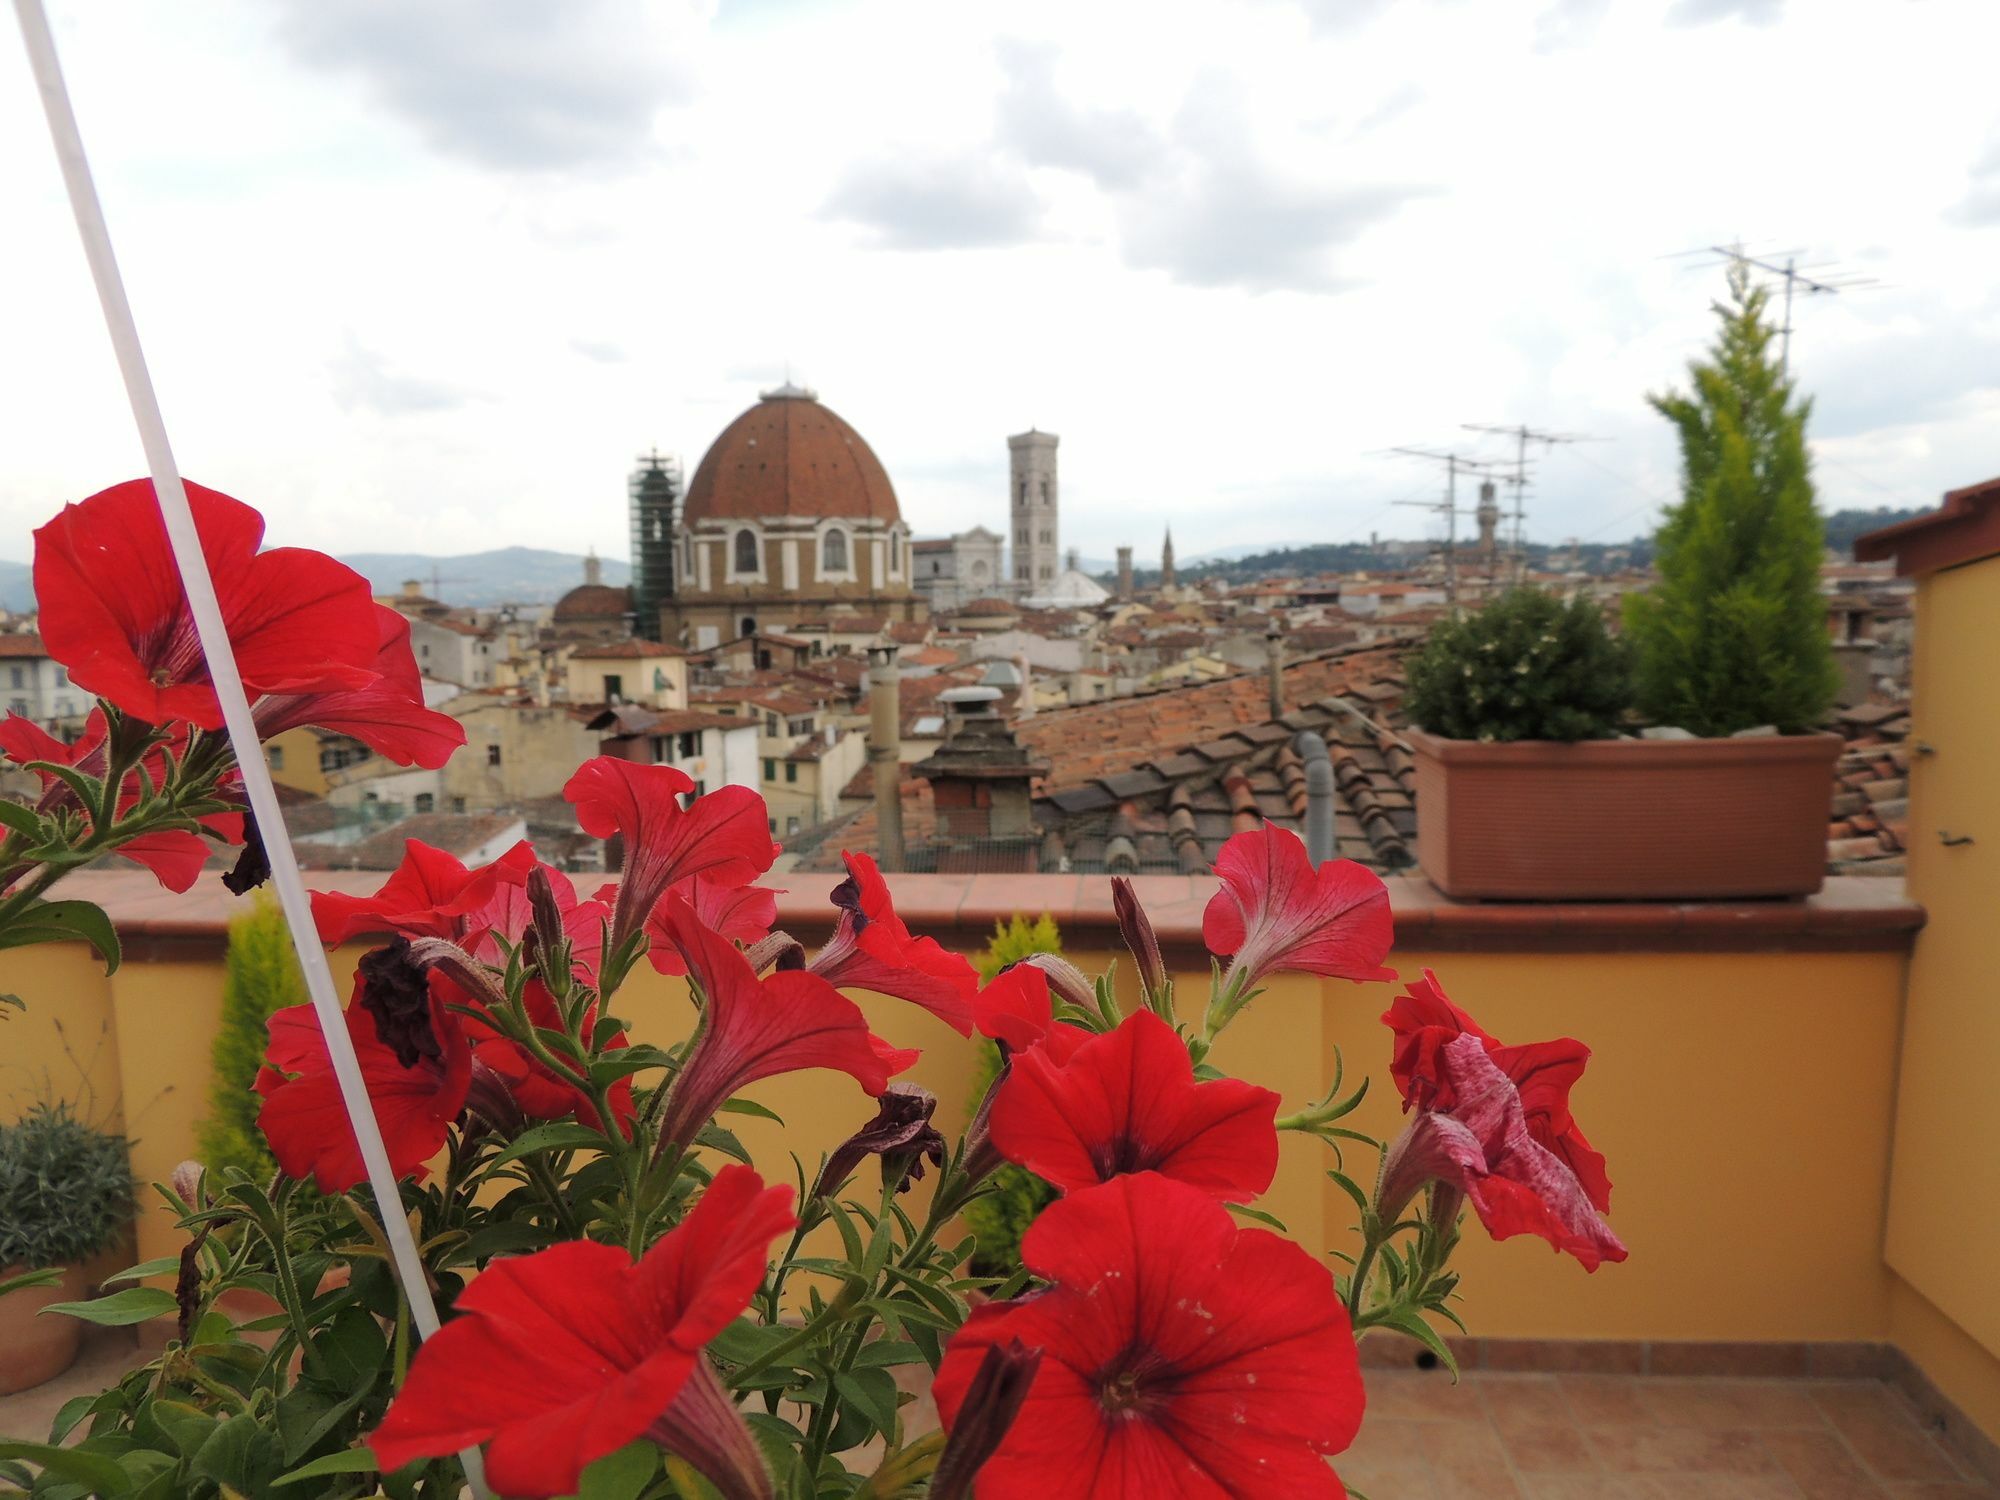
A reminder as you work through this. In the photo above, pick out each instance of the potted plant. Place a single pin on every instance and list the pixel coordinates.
(65, 1196)
(1521, 791)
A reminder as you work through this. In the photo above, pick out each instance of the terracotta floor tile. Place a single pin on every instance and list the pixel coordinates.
(1681, 1450)
(1698, 1402)
(1523, 1400)
(1821, 1465)
(1882, 1432)
(1554, 1449)
(1605, 1400)
(1421, 1396)
(1467, 1463)
(1938, 1490)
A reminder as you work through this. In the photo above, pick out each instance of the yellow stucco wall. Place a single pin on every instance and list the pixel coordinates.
(1944, 1202)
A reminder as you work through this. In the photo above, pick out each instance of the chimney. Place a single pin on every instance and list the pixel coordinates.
(413, 588)
(1124, 574)
(593, 570)
(982, 782)
(1319, 795)
(1274, 661)
(1025, 705)
(885, 749)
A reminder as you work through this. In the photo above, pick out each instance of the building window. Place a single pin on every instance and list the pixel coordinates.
(833, 552)
(746, 551)
(791, 770)
(770, 772)
(62, 677)
(1045, 492)
(15, 678)
(799, 726)
(771, 725)
(747, 626)
(458, 805)
(492, 755)
(19, 706)
(690, 745)
(1024, 492)
(274, 756)
(791, 827)
(426, 802)
(614, 687)
(774, 824)
(700, 787)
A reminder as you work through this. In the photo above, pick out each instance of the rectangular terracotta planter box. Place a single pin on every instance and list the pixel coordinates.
(1625, 820)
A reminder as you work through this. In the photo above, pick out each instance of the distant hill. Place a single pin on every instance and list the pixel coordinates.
(1843, 526)
(506, 575)
(16, 592)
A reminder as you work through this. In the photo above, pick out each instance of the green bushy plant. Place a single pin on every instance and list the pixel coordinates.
(1734, 635)
(66, 1189)
(1003, 1215)
(262, 978)
(1526, 667)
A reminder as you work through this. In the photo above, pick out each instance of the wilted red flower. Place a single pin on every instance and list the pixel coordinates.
(386, 714)
(175, 856)
(1015, 1010)
(1126, 1102)
(871, 949)
(430, 894)
(1482, 1150)
(723, 834)
(113, 610)
(1277, 914)
(555, 1359)
(742, 913)
(1425, 1021)
(901, 1134)
(1181, 1356)
(416, 1095)
(754, 1028)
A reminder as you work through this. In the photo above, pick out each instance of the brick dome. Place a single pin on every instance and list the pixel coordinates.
(789, 456)
(592, 601)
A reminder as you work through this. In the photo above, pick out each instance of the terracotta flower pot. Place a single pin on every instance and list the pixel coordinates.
(38, 1348)
(1624, 820)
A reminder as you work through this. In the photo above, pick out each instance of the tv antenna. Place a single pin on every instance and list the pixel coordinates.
(1795, 279)
(1524, 435)
(1447, 506)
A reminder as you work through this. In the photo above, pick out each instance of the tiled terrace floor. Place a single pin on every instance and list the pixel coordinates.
(1525, 1437)
(1651, 1437)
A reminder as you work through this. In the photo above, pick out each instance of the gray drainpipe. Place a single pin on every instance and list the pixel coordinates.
(1311, 749)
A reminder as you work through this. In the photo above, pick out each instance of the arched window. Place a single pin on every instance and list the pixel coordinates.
(833, 552)
(1024, 492)
(746, 551)
(1045, 492)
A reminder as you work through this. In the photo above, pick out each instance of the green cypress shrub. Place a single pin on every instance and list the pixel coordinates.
(1734, 634)
(1526, 667)
(262, 978)
(1000, 1217)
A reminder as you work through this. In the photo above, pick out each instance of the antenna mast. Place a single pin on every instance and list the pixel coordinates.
(1524, 435)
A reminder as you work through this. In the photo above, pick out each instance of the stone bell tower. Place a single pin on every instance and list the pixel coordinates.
(1032, 497)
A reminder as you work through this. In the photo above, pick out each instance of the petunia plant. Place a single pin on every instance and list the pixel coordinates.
(635, 1308)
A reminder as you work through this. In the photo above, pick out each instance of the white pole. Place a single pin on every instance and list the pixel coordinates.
(214, 635)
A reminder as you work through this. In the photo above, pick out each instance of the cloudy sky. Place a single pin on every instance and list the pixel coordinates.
(428, 275)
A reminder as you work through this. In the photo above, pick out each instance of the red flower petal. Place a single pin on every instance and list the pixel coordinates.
(305, 1119)
(1277, 914)
(387, 714)
(558, 1358)
(755, 1028)
(113, 612)
(430, 894)
(1182, 1356)
(1128, 1102)
(741, 913)
(872, 950)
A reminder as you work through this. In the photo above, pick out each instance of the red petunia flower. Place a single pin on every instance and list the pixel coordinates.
(1425, 1021)
(754, 1028)
(113, 610)
(175, 856)
(541, 1094)
(1277, 914)
(741, 913)
(386, 714)
(555, 1359)
(1181, 1356)
(871, 949)
(1127, 1102)
(724, 834)
(1483, 1151)
(430, 894)
(416, 1095)
(1015, 1010)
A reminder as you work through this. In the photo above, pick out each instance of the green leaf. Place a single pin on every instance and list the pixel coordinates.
(749, 1107)
(164, 1265)
(121, 1309)
(622, 1475)
(1352, 1188)
(347, 1461)
(99, 1474)
(353, 1349)
(873, 1391)
(19, 819)
(64, 922)
(186, 1427)
(1403, 1320)
(563, 1135)
(20, 1281)
(1259, 1216)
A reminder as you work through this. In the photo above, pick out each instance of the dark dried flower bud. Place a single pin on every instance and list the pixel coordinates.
(986, 1415)
(253, 865)
(901, 1134)
(396, 992)
(1137, 931)
(779, 950)
(982, 1157)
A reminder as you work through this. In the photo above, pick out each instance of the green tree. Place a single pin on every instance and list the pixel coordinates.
(1734, 635)
(262, 978)
(1526, 667)
(1002, 1216)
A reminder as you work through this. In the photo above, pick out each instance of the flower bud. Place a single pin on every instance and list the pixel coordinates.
(1137, 931)
(901, 1134)
(186, 1182)
(1067, 981)
(703, 1427)
(546, 938)
(778, 950)
(992, 1401)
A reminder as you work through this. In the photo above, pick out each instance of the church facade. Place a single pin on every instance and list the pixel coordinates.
(789, 517)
